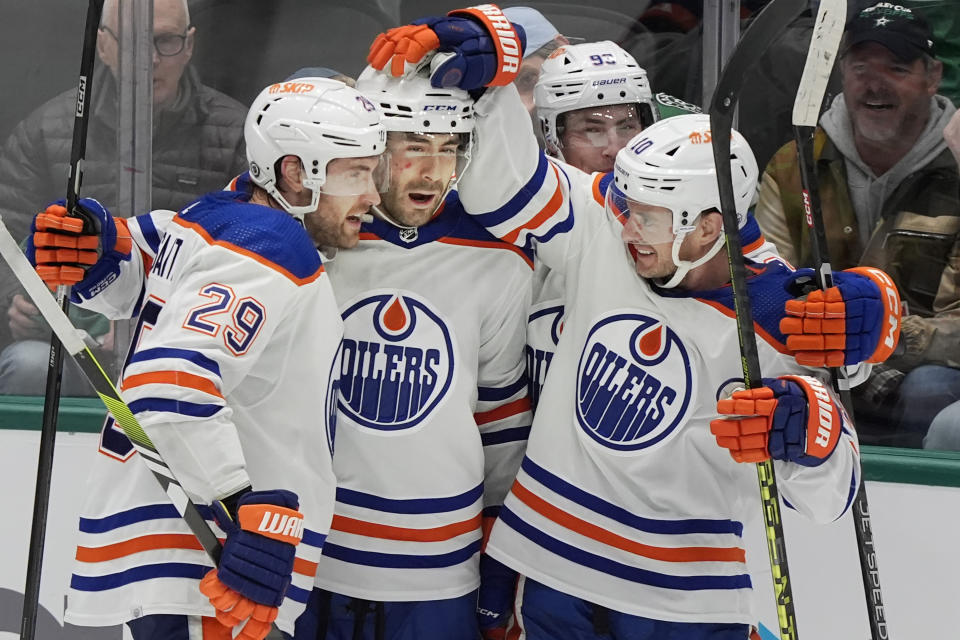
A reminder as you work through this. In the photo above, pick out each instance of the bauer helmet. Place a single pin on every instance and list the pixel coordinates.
(592, 74)
(315, 119)
(671, 165)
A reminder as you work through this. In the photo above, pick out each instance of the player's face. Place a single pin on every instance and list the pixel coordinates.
(421, 165)
(593, 136)
(336, 222)
(648, 235)
(888, 99)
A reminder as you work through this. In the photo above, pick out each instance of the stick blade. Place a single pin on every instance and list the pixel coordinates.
(824, 43)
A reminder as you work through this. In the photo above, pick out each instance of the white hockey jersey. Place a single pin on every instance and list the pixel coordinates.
(624, 497)
(545, 318)
(232, 376)
(434, 413)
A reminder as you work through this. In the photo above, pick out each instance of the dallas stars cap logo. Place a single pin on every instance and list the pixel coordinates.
(882, 21)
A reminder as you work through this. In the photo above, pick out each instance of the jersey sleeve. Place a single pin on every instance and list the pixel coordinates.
(122, 297)
(502, 411)
(515, 191)
(185, 365)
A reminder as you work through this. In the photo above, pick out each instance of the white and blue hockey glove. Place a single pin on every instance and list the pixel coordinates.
(791, 418)
(257, 559)
(82, 252)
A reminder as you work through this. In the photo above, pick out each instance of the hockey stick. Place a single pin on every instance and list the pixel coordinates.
(758, 37)
(100, 380)
(51, 402)
(824, 43)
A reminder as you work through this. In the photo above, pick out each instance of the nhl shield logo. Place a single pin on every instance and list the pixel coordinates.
(634, 382)
(396, 363)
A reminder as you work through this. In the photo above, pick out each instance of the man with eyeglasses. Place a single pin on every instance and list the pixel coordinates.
(197, 148)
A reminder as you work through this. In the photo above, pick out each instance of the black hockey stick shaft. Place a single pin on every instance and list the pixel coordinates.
(758, 37)
(821, 57)
(51, 404)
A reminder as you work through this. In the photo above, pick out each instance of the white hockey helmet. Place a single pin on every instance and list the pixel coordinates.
(315, 119)
(592, 74)
(670, 165)
(411, 105)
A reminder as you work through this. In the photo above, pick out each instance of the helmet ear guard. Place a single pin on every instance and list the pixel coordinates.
(317, 120)
(671, 165)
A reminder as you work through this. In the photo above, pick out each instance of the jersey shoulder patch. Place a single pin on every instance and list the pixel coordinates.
(267, 235)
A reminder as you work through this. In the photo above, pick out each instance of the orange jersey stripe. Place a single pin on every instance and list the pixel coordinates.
(599, 197)
(488, 244)
(137, 545)
(304, 567)
(503, 411)
(246, 252)
(178, 378)
(594, 532)
(730, 313)
(213, 630)
(388, 532)
(552, 207)
(753, 246)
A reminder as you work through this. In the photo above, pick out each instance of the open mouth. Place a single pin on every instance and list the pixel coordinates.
(422, 199)
(878, 106)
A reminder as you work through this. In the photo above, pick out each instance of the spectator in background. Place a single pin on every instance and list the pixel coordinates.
(944, 431)
(197, 148)
(891, 198)
(542, 40)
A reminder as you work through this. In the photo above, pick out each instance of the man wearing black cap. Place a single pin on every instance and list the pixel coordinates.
(891, 198)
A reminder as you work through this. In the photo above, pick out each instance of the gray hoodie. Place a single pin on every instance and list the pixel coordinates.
(868, 192)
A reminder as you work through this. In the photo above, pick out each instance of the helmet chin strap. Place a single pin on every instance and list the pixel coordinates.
(684, 266)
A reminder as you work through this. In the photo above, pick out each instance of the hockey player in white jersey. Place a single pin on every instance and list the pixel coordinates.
(589, 99)
(626, 517)
(232, 373)
(434, 412)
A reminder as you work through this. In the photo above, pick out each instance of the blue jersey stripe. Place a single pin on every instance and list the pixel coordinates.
(493, 394)
(618, 569)
(412, 505)
(313, 538)
(135, 515)
(138, 574)
(518, 201)
(297, 594)
(149, 231)
(180, 407)
(516, 434)
(402, 561)
(621, 515)
(183, 354)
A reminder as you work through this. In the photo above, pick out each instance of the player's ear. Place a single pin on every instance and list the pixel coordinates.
(291, 174)
(710, 227)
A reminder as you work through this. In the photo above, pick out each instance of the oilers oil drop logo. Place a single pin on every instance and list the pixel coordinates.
(397, 361)
(634, 382)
